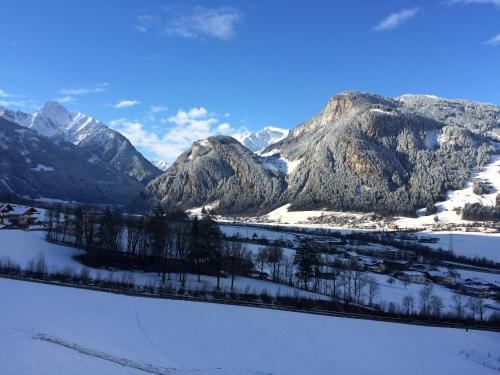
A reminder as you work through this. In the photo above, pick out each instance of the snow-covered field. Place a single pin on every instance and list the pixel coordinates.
(397, 291)
(22, 247)
(468, 244)
(249, 232)
(53, 330)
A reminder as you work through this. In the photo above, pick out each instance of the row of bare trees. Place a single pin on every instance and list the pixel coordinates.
(168, 242)
(431, 305)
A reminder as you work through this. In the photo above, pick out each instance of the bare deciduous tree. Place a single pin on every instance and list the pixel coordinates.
(373, 289)
(409, 304)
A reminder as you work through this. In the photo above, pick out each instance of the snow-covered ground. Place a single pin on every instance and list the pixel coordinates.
(397, 291)
(468, 244)
(22, 247)
(490, 174)
(249, 232)
(52, 330)
(283, 215)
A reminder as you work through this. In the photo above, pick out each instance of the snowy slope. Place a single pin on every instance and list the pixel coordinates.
(23, 247)
(56, 122)
(263, 138)
(43, 326)
(489, 174)
(472, 245)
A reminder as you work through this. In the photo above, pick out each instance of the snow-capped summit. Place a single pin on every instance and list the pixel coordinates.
(54, 121)
(52, 118)
(161, 164)
(259, 140)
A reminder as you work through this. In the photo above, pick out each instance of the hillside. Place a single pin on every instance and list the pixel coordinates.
(62, 328)
(34, 166)
(218, 171)
(362, 152)
(54, 121)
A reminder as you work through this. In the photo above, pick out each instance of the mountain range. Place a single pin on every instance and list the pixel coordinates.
(80, 158)
(361, 152)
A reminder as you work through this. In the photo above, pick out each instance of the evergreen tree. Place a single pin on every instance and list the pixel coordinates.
(305, 259)
(194, 255)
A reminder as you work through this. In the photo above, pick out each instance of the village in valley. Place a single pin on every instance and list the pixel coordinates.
(401, 273)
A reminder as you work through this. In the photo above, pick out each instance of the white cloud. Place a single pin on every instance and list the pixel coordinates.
(65, 99)
(183, 129)
(393, 20)
(157, 108)
(195, 23)
(126, 103)
(200, 22)
(14, 103)
(495, 41)
(145, 22)
(480, 2)
(98, 87)
(4, 94)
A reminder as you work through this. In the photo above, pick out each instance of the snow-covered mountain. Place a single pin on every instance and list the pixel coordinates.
(217, 171)
(162, 165)
(34, 166)
(362, 152)
(258, 141)
(54, 121)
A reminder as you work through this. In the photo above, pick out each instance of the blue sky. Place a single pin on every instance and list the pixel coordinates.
(166, 73)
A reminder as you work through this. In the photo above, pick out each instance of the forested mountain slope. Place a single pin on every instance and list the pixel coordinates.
(362, 152)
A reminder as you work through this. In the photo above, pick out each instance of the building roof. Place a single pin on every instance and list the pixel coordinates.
(22, 210)
(413, 273)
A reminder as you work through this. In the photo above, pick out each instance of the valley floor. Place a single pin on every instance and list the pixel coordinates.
(73, 331)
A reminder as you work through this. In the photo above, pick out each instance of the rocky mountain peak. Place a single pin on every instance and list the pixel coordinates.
(263, 138)
(342, 108)
(50, 119)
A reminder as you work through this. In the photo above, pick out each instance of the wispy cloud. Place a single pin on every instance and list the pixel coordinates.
(65, 99)
(495, 41)
(15, 103)
(74, 91)
(145, 22)
(394, 20)
(4, 94)
(183, 129)
(126, 103)
(157, 108)
(194, 23)
(479, 2)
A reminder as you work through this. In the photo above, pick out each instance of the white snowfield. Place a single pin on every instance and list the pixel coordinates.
(23, 247)
(469, 244)
(54, 330)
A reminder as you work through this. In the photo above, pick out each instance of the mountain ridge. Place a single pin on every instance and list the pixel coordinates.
(365, 152)
(54, 121)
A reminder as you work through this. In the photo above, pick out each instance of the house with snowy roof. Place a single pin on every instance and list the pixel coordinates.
(21, 215)
(412, 276)
(5, 209)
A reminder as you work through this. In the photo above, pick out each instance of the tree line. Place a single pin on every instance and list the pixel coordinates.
(167, 242)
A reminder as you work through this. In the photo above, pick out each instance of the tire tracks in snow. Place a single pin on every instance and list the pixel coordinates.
(142, 366)
(146, 335)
